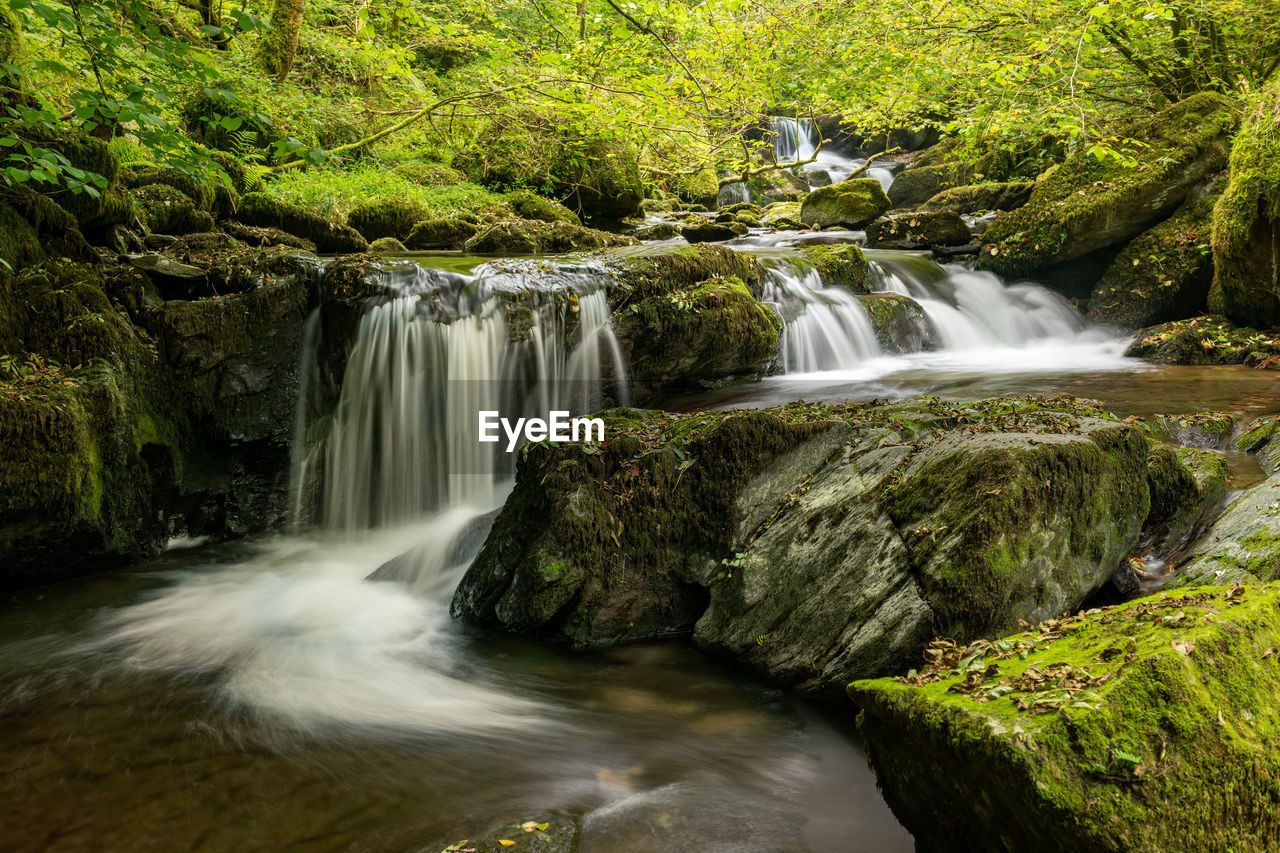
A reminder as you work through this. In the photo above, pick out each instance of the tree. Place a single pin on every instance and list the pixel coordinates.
(280, 45)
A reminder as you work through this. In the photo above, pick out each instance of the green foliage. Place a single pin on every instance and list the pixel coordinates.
(335, 192)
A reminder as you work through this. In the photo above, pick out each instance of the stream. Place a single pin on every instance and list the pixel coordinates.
(309, 691)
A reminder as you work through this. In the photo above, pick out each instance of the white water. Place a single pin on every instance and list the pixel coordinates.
(349, 624)
(795, 140)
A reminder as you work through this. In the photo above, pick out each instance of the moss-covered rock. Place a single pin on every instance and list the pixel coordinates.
(916, 186)
(387, 245)
(840, 265)
(832, 541)
(1263, 438)
(530, 237)
(1087, 204)
(920, 230)
(386, 217)
(451, 233)
(199, 190)
(262, 237)
(530, 205)
(978, 198)
(704, 332)
(656, 270)
(261, 209)
(1162, 275)
(430, 174)
(850, 204)
(700, 188)
(712, 232)
(658, 231)
(1187, 484)
(1246, 220)
(900, 323)
(1144, 727)
(780, 210)
(167, 210)
(1243, 543)
(1205, 340)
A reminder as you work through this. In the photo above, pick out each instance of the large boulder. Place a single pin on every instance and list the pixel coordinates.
(448, 233)
(916, 186)
(532, 237)
(900, 323)
(1162, 275)
(386, 217)
(854, 203)
(1145, 727)
(1206, 340)
(1246, 221)
(840, 265)
(978, 198)
(817, 543)
(263, 210)
(1087, 204)
(920, 230)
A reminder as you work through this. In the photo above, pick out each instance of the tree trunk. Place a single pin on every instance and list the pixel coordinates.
(278, 47)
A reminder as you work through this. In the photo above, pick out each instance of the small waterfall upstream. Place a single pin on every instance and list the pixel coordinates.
(796, 139)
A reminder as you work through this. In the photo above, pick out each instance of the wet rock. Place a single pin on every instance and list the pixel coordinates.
(900, 323)
(855, 203)
(527, 237)
(1246, 221)
(840, 265)
(1205, 340)
(1263, 438)
(1143, 727)
(659, 231)
(386, 217)
(165, 267)
(1244, 542)
(169, 211)
(544, 833)
(981, 197)
(1087, 204)
(918, 231)
(917, 186)
(1187, 485)
(452, 233)
(530, 205)
(712, 232)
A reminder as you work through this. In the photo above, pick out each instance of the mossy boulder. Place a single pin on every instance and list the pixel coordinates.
(1263, 438)
(900, 323)
(261, 209)
(1087, 204)
(1246, 220)
(916, 186)
(978, 198)
(704, 332)
(658, 231)
(1205, 340)
(712, 232)
(530, 237)
(167, 210)
(656, 270)
(1164, 274)
(840, 265)
(449, 233)
(430, 174)
(831, 541)
(1243, 543)
(530, 205)
(780, 210)
(1144, 727)
(387, 245)
(854, 203)
(386, 217)
(198, 189)
(920, 230)
(1187, 485)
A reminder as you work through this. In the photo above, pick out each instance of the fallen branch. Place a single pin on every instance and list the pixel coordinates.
(874, 157)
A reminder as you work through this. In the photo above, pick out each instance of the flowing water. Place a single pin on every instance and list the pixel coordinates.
(796, 140)
(309, 691)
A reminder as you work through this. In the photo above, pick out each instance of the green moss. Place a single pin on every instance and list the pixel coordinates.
(918, 230)
(387, 245)
(429, 174)
(167, 210)
(440, 234)
(981, 197)
(918, 185)
(264, 210)
(530, 205)
(1203, 340)
(854, 203)
(199, 190)
(657, 270)
(387, 217)
(840, 265)
(528, 237)
(1142, 727)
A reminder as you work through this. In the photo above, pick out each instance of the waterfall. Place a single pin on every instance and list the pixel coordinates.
(825, 328)
(793, 138)
(402, 439)
(796, 140)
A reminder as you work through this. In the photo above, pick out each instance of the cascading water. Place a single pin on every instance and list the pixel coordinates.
(796, 139)
(825, 328)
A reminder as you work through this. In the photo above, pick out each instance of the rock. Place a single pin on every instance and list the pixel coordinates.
(1162, 275)
(832, 541)
(1010, 195)
(1187, 484)
(542, 833)
(1087, 204)
(169, 211)
(429, 174)
(1243, 543)
(266, 236)
(849, 204)
(526, 237)
(741, 207)
(900, 323)
(1204, 340)
(1202, 430)
(386, 217)
(1246, 220)
(659, 231)
(329, 237)
(1143, 727)
(387, 245)
(777, 185)
(840, 265)
(530, 205)
(441, 234)
(160, 265)
(1263, 438)
(780, 210)
(200, 192)
(712, 330)
(710, 232)
(920, 184)
(918, 231)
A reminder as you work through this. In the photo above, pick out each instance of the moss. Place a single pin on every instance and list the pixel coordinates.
(450, 233)
(535, 238)
(1142, 727)
(387, 245)
(918, 185)
(19, 244)
(386, 217)
(10, 48)
(1088, 203)
(261, 209)
(1203, 340)
(1162, 275)
(530, 205)
(899, 322)
(657, 270)
(430, 174)
(840, 265)
(981, 197)
(701, 187)
(196, 188)
(918, 230)
(170, 211)
(712, 232)
(1246, 220)
(854, 203)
